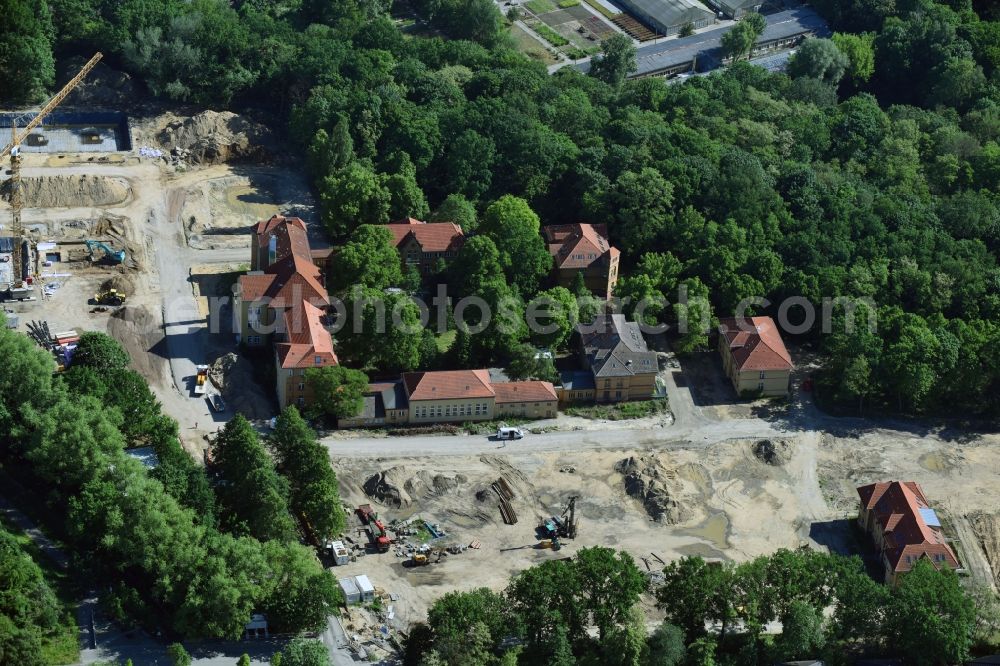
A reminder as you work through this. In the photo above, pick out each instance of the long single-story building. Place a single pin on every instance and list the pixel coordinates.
(452, 396)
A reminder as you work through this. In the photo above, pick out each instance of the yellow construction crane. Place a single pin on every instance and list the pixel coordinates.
(14, 150)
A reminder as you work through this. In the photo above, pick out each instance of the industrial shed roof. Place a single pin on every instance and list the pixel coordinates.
(670, 12)
(705, 46)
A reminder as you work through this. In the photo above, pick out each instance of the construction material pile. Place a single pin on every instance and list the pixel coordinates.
(647, 480)
(71, 191)
(213, 137)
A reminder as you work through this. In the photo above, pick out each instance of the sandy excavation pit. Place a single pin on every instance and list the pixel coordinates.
(723, 504)
(218, 212)
(731, 501)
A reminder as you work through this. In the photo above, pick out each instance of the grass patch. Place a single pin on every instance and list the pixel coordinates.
(575, 53)
(550, 35)
(445, 340)
(530, 47)
(601, 9)
(620, 411)
(566, 4)
(540, 6)
(62, 646)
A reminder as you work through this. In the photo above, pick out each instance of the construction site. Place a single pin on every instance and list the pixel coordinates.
(136, 238)
(129, 226)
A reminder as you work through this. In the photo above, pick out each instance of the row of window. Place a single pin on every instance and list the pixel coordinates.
(477, 409)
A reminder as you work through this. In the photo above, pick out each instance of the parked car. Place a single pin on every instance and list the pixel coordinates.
(505, 433)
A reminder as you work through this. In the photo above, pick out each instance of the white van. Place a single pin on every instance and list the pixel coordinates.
(509, 433)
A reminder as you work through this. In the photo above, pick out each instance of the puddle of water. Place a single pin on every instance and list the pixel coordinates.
(934, 462)
(713, 530)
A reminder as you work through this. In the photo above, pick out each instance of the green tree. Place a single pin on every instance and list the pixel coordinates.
(27, 67)
(666, 646)
(337, 391)
(253, 498)
(304, 652)
(406, 199)
(315, 492)
(860, 52)
(930, 616)
(819, 59)
(384, 330)
(351, 196)
(695, 592)
(244, 660)
(305, 594)
(557, 315)
(100, 351)
(514, 228)
(453, 616)
(29, 609)
(610, 584)
(369, 259)
(178, 655)
(801, 632)
(637, 205)
(617, 60)
(456, 208)
(528, 363)
(740, 39)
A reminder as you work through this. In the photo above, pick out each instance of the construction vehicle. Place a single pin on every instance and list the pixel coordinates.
(566, 523)
(111, 297)
(379, 537)
(420, 559)
(111, 255)
(20, 286)
(549, 544)
(201, 380)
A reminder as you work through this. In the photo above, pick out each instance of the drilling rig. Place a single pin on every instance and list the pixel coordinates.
(17, 289)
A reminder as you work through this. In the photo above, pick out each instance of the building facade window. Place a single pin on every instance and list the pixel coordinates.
(253, 339)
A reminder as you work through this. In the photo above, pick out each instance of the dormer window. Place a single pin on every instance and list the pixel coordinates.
(319, 360)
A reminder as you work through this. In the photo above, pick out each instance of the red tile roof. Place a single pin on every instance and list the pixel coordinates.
(306, 339)
(533, 391)
(255, 287)
(448, 385)
(578, 245)
(267, 226)
(432, 236)
(897, 507)
(755, 344)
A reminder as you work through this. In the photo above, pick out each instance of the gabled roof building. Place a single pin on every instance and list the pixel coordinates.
(903, 527)
(614, 353)
(583, 249)
(422, 244)
(754, 357)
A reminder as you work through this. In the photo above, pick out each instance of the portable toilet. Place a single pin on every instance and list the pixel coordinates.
(352, 594)
(365, 587)
(339, 553)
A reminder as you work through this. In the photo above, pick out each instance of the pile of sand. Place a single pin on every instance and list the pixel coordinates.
(647, 481)
(212, 137)
(234, 376)
(397, 488)
(71, 191)
(121, 283)
(772, 452)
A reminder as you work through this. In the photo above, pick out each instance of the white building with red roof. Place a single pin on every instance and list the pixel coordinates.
(453, 396)
(754, 356)
(583, 249)
(422, 244)
(904, 528)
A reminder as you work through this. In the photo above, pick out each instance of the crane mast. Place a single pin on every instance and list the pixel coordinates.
(14, 150)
